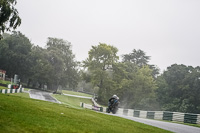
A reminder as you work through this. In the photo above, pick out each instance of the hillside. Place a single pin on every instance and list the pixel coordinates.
(19, 114)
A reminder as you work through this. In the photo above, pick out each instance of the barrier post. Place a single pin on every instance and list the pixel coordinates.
(158, 115)
(101, 109)
(130, 112)
(190, 118)
(125, 112)
(150, 114)
(168, 116)
(136, 113)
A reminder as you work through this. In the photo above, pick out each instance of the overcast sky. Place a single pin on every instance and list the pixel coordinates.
(166, 30)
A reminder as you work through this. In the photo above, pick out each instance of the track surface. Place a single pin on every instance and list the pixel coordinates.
(42, 95)
(174, 127)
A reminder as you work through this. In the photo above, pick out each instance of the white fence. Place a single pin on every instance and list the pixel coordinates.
(5, 91)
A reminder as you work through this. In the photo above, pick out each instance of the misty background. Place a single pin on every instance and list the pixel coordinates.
(166, 30)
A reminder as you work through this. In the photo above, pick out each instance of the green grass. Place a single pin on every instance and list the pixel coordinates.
(76, 93)
(26, 89)
(5, 82)
(26, 95)
(72, 101)
(2, 87)
(20, 114)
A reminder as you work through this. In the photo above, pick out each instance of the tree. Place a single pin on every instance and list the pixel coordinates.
(40, 70)
(99, 63)
(64, 67)
(136, 81)
(139, 58)
(15, 50)
(54, 66)
(134, 84)
(179, 89)
(137, 88)
(9, 16)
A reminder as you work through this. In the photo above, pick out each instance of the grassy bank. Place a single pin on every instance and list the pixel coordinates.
(25, 95)
(2, 87)
(20, 114)
(72, 101)
(5, 82)
(76, 93)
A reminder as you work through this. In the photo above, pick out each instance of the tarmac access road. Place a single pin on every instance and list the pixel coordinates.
(42, 95)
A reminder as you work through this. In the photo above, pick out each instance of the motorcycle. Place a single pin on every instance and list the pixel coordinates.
(113, 106)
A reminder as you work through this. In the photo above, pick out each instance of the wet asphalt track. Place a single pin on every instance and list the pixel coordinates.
(42, 95)
(174, 127)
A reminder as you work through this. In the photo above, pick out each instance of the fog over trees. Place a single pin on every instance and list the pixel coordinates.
(53, 65)
(139, 84)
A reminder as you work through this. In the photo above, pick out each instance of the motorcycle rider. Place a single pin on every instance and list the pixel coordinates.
(113, 104)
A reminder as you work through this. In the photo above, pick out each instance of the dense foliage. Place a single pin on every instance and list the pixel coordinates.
(15, 51)
(9, 17)
(133, 79)
(179, 89)
(53, 66)
(137, 83)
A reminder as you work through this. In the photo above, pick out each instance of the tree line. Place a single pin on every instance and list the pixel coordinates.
(52, 66)
(138, 83)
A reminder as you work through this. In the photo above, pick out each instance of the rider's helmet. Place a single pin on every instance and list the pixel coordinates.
(115, 96)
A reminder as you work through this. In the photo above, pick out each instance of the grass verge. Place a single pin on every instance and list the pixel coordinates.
(20, 114)
(25, 95)
(76, 93)
(2, 87)
(72, 101)
(26, 89)
(5, 82)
